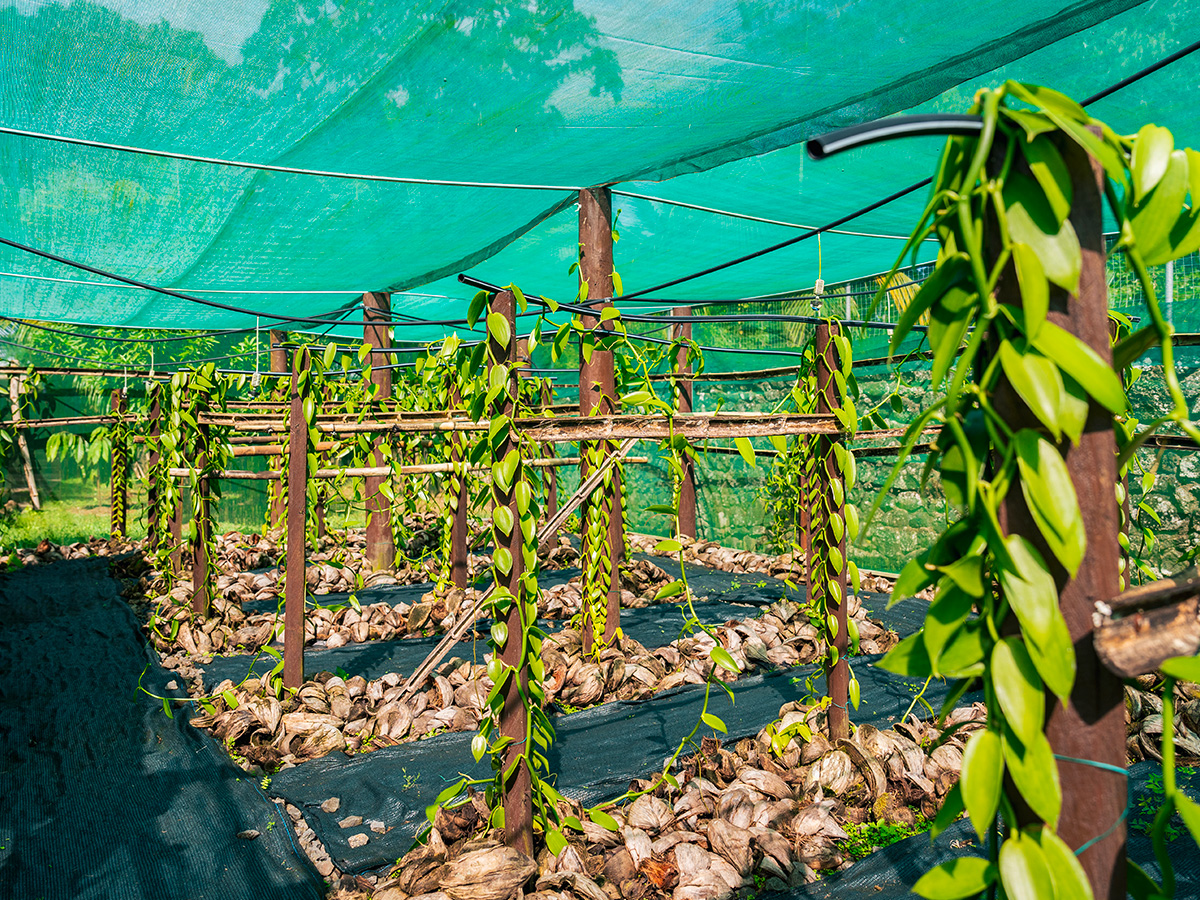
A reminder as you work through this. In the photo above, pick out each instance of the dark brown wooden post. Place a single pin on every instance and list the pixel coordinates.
(550, 451)
(295, 587)
(381, 547)
(154, 528)
(828, 472)
(203, 526)
(460, 575)
(16, 387)
(518, 802)
(1092, 725)
(683, 404)
(119, 467)
(279, 363)
(598, 391)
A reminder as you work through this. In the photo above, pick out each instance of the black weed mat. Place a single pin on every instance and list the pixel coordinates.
(102, 797)
(652, 626)
(596, 753)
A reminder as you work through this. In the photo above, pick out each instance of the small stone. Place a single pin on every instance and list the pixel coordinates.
(249, 834)
(358, 840)
(350, 822)
(331, 805)
(172, 685)
(324, 867)
(377, 827)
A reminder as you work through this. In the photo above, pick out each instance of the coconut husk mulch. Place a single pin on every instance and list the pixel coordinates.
(742, 819)
(329, 713)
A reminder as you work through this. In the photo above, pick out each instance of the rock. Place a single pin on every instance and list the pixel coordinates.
(350, 822)
(492, 874)
(249, 834)
(332, 805)
(357, 840)
(378, 827)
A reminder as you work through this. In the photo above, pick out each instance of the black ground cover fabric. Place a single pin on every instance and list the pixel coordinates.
(101, 795)
(596, 754)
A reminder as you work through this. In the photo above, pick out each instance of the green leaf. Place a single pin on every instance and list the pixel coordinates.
(167, 708)
(503, 560)
(908, 657)
(1050, 171)
(713, 722)
(1036, 380)
(499, 329)
(670, 589)
(502, 518)
(479, 746)
(913, 579)
(1033, 596)
(982, 779)
(1072, 409)
(1183, 668)
(721, 657)
(746, 449)
(949, 322)
(1066, 872)
(1023, 869)
(952, 808)
(965, 876)
(1152, 147)
(1035, 292)
(476, 307)
(947, 613)
(1050, 495)
(1156, 214)
(1083, 364)
(499, 633)
(1031, 221)
(670, 545)
(1018, 688)
(519, 296)
(603, 819)
(951, 271)
(1035, 774)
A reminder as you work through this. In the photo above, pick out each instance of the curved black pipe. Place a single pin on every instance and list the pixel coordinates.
(832, 142)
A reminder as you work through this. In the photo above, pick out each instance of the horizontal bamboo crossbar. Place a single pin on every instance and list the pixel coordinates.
(383, 471)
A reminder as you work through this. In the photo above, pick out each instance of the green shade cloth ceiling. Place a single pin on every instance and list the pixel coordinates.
(705, 103)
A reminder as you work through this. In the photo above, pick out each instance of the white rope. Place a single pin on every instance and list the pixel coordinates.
(287, 170)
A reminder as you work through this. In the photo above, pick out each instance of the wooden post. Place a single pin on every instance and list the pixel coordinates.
(279, 363)
(460, 575)
(154, 528)
(683, 404)
(381, 548)
(827, 472)
(295, 586)
(16, 387)
(518, 802)
(550, 451)
(598, 392)
(118, 468)
(201, 587)
(1092, 725)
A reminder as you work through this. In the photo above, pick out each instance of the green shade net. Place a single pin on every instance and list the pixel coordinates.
(702, 103)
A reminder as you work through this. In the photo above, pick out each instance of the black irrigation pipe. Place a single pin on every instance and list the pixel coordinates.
(126, 340)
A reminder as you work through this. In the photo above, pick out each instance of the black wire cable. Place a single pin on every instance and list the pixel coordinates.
(126, 340)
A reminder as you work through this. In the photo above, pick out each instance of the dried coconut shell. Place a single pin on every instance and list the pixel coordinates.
(491, 874)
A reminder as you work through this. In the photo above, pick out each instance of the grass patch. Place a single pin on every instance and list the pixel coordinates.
(868, 837)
